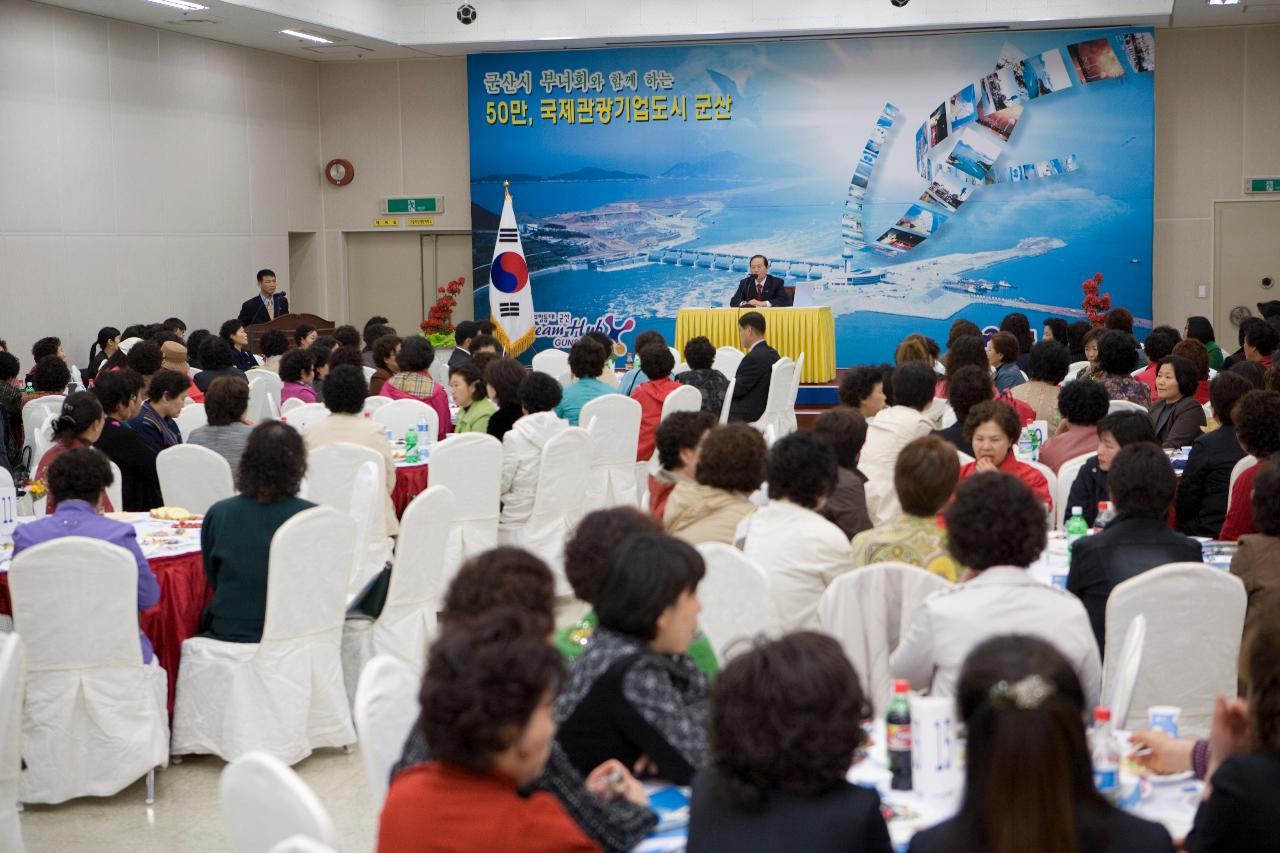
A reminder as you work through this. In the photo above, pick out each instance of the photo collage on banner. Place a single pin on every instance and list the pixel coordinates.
(851, 230)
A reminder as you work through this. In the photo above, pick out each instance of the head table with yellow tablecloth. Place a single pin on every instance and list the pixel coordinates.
(790, 331)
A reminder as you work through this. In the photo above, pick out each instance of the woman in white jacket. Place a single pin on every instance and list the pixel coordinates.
(522, 447)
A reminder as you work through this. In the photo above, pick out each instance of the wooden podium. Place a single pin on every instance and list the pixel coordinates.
(287, 323)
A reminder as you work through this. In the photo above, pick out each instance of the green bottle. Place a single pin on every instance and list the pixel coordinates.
(411, 446)
(1077, 527)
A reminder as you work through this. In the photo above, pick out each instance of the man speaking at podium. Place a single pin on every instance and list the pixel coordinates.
(267, 305)
(760, 290)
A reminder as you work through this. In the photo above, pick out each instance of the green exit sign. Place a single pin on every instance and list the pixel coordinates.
(1262, 185)
(413, 204)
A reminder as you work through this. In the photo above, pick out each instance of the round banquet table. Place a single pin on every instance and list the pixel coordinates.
(411, 481)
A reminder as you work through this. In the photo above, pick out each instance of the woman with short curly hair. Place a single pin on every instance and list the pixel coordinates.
(1117, 359)
(730, 467)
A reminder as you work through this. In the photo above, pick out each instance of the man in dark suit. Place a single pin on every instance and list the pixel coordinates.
(463, 334)
(751, 382)
(760, 290)
(267, 305)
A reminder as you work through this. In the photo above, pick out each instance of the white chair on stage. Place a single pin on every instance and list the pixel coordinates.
(401, 416)
(613, 422)
(728, 400)
(1240, 467)
(1067, 473)
(1195, 617)
(555, 363)
(869, 611)
(727, 361)
(559, 503)
(264, 803)
(13, 686)
(736, 600)
(263, 406)
(95, 719)
(686, 398)
(372, 404)
(352, 479)
(798, 371)
(1125, 406)
(115, 491)
(192, 417)
(43, 440)
(284, 694)
(778, 412)
(1118, 695)
(294, 403)
(34, 416)
(470, 466)
(386, 708)
(408, 619)
(303, 416)
(193, 477)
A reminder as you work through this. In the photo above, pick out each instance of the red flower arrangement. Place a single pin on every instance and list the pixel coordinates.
(438, 327)
(1095, 306)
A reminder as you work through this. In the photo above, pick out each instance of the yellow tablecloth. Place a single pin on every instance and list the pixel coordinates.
(790, 331)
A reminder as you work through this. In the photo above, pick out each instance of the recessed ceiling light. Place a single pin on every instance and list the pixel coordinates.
(180, 4)
(306, 36)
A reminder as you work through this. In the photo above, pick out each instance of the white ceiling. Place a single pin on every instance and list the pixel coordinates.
(402, 29)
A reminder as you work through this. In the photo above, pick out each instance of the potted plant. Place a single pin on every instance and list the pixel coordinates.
(438, 327)
(1095, 305)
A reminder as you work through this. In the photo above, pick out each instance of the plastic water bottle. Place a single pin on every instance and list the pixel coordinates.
(1106, 512)
(1025, 447)
(31, 389)
(898, 736)
(411, 446)
(1035, 444)
(1106, 755)
(391, 438)
(424, 436)
(1077, 527)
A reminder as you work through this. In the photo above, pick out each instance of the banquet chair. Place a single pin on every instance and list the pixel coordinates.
(439, 372)
(94, 720)
(777, 403)
(35, 414)
(1051, 480)
(386, 708)
(1075, 367)
(948, 414)
(686, 398)
(791, 423)
(1240, 467)
(555, 363)
(115, 491)
(1119, 693)
(407, 622)
(294, 403)
(192, 417)
(193, 477)
(284, 694)
(1125, 406)
(728, 400)
(272, 381)
(265, 803)
(261, 406)
(869, 611)
(368, 375)
(736, 601)
(613, 423)
(43, 440)
(302, 844)
(965, 458)
(372, 404)
(401, 416)
(301, 417)
(1067, 473)
(470, 466)
(727, 361)
(681, 367)
(559, 503)
(1195, 617)
(352, 479)
(13, 678)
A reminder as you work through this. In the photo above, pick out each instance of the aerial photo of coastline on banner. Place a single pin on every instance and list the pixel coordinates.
(643, 180)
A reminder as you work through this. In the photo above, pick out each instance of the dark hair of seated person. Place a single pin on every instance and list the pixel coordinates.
(345, 355)
(1006, 344)
(732, 458)
(751, 319)
(45, 347)
(1184, 373)
(228, 329)
(479, 342)
(416, 354)
(505, 376)
(993, 411)
(373, 332)
(844, 430)
(595, 541)
(1254, 372)
(802, 470)
(1142, 482)
(699, 353)
(175, 324)
(1266, 499)
(384, 348)
(484, 679)
(1083, 402)
(301, 331)
(51, 375)
(1128, 428)
(347, 336)
(1119, 318)
(960, 329)
(167, 384)
(586, 359)
(117, 388)
(680, 431)
(482, 360)
(857, 383)
(1019, 326)
(471, 375)
(145, 357)
(9, 366)
(1059, 328)
(925, 474)
(80, 410)
(1194, 352)
(605, 342)
(79, 474)
(465, 331)
(295, 363)
(1248, 323)
(273, 463)
(162, 338)
(649, 572)
(1256, 417)
(539, 393)
(226, 401)
(502, 577)
(1117, 353)
(273, 343)
(995, 520)
(966, 351)
(968, 387)
(1049, 362)
(785, 716)
(326, 344)
(215, 354)
(1263, 339)
(345, 390)
(656, 361)
(1160, 342)
(1225, 391)
(913, 385)
(1260, 672)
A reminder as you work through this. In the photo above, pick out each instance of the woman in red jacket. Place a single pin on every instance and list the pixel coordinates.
(993, 429)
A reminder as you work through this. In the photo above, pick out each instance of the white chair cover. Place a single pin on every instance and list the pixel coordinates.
(303, 416)
(727, 361)
(470, 466)
(676, 356)
(372, 404)
(1243, 465)
(352, 479)
(1050, 478)
(294, 403)
(34, 416)
(283, 695)
(401, 416)
(613, 422)
(192, 417)
(561, 498)
(776, 412)
(302, 844)
(555, 363)
(386, 708)
(260, 405)
(408, 619)
(1127, 669)
(265, 803)
(193, 477)
(1075, 367)
(95, 719)
(728, 400)
(1195, 617)
(736, 601)
(368, 375)
(686, 398)
(1067, 473)
(965, 458)
(13, 686)
(115, 491)
(1125, 406)
(948, 415)
(869, 611)
(43, 440)
(274, 385)
(792, 424)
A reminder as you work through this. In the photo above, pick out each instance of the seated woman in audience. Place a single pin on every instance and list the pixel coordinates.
(375, 328)
(1194, 352)
(925, 475)
(862, 388)
(235, 334)
(784, 730)
(1257, 562)
(385, 350)
(104, 346)
(911, 349)
(844, 431)
(166, 395)
(226, 432)
(195, 340)
(146, 359)
(1090, 343)
(730, 468)
(635, 692)
(79, 424)
(968, 387)
(216, 360)
(120, 393)
(1002, 354)
(1047, 368)
(1114, 432)
(304, 335)
(658, 364)
(586, 363)
(1076, 330)
(993, 429)
(890, 431)
(348, 355)
(1159, 344)
(470, 395)
(49, 379)
(1019, 326)
(1028, 774)
(484, 342)
(1255, 416)
(78, 481)
(503, 378)
(297, 376)
(11, 438)
(413, 382)
(609, 375)
(996, 529)
(1083, 403)
(966, 351)
(1241, 800)
(1204, 486)
(1118, 357)
(46, 347)
(678, 440)
(274, 345)
(1056, 329)
(800, 551)
(635, 377)
(1201, 330)
(522, 448)
(1251, 371)
(961, 328)
(1177, 417)
(700, 355)
(1142, 484)
(235, 539)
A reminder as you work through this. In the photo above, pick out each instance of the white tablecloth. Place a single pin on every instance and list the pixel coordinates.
(156, 538)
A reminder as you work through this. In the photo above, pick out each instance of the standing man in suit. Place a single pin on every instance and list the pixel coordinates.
(760, 290)
(267, 305)
(463, 334)
(751, 382)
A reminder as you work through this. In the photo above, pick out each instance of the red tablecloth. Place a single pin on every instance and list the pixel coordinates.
(411, 481)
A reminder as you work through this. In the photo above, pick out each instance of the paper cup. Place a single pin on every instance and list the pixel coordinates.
(935, 766)
(1164, 718)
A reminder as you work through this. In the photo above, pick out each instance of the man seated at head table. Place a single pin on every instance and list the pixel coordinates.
(759, 289)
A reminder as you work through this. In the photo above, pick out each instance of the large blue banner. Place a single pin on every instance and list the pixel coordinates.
(905, 182)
